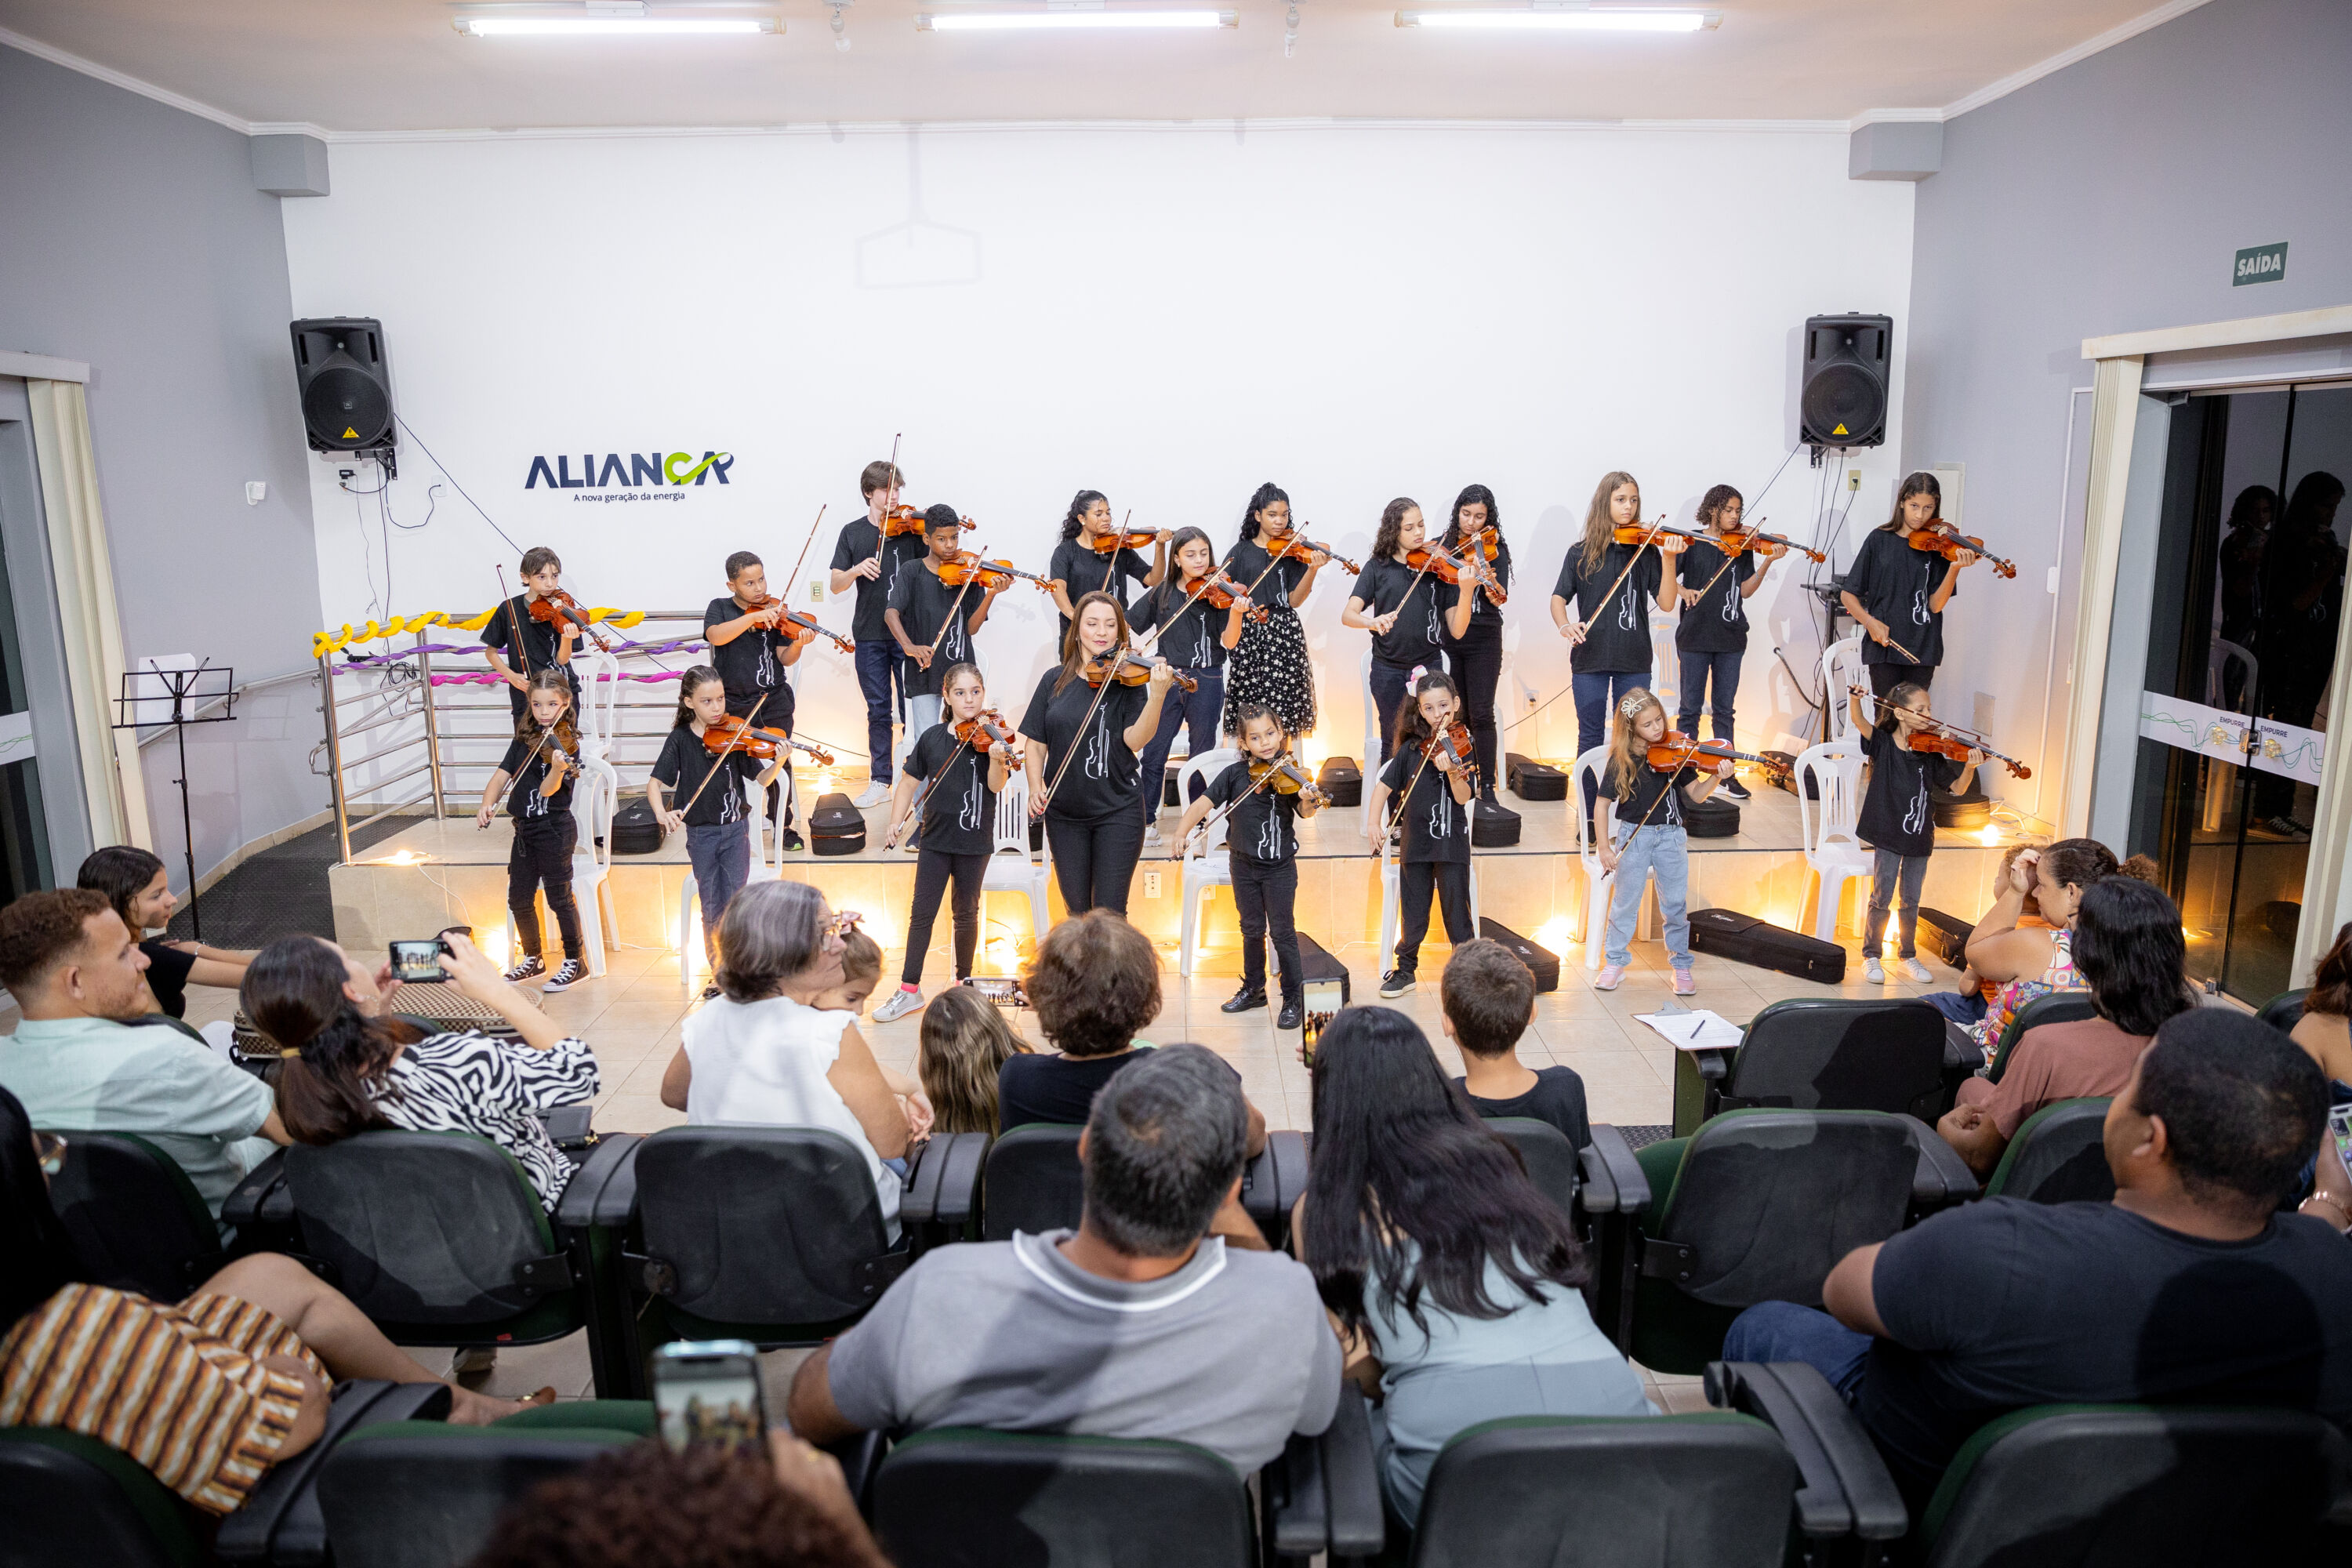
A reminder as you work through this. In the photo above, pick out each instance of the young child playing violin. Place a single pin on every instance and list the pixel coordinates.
(1262, 837)
(1601, 603)
(1711, 636)
(541, 760)
(1642, 836)
(868, 557)
(1193, 635)
(954, 826)
(711, 809)
(751, 655)
(933, 619)
(1430, 777)
(1408, 600)
(533, 645)
(1094, 557)
(1894, 819)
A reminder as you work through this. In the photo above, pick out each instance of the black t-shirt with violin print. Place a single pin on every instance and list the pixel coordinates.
(1437, 825)
(1616, 633)
(1264, 825)
(1894, 584)
(1895, 813)
(1101, 779)
(1081, 569)
(523, 800)
(686, 760)
(925, 603)
(956, 811)
(752, 668)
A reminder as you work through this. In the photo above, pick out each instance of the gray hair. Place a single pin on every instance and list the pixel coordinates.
(1164, 1142)
(771, 932)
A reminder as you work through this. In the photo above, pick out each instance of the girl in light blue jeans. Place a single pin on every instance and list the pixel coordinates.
(1642, 836)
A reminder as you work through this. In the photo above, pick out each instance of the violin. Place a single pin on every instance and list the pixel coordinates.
(1134, 539)
(1470, 569)
(1454, 742)
(1294, 548)
(1732, 541)
(560, 609)
(1679, 750)
(994, 575)
(1121, 664)
(987, 729)
(1284, 776)
(1488, 541)
(1650, 533)
(1936, 738)
(1940, 537)
(1482, 547)
(1435, 563)
(799, 628)
(729, 733)
(902, 520)
(1223, 593)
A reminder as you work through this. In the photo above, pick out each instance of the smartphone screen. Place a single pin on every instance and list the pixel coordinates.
(417, 963)
(708, 1392)
(2339, 1122)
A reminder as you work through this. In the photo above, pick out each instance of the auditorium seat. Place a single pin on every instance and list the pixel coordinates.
(2053, 1007)
(1033, 1182)
(1821, 1053)
(2058, 1156)
(2058, 1485)
(1550, 1159)
(1759, 1205)
(2283, 1010)
(137, 1221)
(962, 1497)
(1784, 1472)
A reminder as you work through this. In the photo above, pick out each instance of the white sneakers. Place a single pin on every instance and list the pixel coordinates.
(1873, 972)
(1916, 972)
(902, 1002)
(872, 795)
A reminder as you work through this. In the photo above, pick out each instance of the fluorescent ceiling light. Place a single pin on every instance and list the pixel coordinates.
(1544, 18)
(614, 27)
(1026, 21)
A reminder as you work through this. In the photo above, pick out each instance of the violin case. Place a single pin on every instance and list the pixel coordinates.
(835, 826)
(1945, 936)
(1492, 825)
(1533, 780)
(635, 829)
(1746, 939)
(1713, 817)
(1542, 961)
(1341, 780)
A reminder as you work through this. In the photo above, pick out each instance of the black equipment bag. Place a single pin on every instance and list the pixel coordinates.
(1493, 827)
(1341, 780)
(1727, 933)
(635, 829)
(1542, 961)
(1945, 936)
(1534, 781)
(1713, 817)
(1966, 811)
(835, 826)
(1315, 966)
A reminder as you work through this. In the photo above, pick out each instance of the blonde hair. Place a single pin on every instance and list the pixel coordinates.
(1626, 747)
(1598, 524)
(964, 1041)
(861, 957)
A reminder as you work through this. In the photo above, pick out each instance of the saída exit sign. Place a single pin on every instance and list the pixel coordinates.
(2262, 264)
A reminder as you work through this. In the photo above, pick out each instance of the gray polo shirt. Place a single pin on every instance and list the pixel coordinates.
(1231, 1352)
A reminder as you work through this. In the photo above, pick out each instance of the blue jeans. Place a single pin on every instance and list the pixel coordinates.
(877, 663)
(922, 712)
(722, 855)
(1392, 683)
(1597, 694)
(1697, 666)
(1197, 711)
(1962, 1008)
(1782, 1330)
(1891, 872)
(1663, 853)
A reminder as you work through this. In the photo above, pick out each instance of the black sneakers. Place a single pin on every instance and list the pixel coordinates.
(1397, 981)
(531, 968)
(572, 972)
(1246, 1000)
(1292, 1016)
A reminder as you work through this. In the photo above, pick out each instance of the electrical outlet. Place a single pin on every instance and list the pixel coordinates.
(816, 590)
(1853, 479)
(1151, 884)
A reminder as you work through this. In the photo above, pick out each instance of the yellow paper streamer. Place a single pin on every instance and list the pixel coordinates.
(324, 643)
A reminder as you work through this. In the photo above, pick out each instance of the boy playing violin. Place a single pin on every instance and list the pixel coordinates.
(869, 559)
(933, 620)
(535, 644)
(749, 655)
(1262, 837)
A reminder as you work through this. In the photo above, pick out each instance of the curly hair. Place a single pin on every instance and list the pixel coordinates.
(1095, 981)
(1391, 529)
(1080, 504)
(41, 929)
(648, 1505)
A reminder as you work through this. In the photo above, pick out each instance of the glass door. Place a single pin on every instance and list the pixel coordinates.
(24, 830)
(2243, 642)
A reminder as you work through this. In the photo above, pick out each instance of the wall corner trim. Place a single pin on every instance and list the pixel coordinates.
(41, 367)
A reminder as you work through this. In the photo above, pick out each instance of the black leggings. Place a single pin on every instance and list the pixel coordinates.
(1476, 664)
(541, 858)
(933, 868)
(1095, 861)
(1416, 880)
(1265, 892)
(1885, 678)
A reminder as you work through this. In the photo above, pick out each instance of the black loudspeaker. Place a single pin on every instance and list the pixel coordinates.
(345, 386)
(1842, 397)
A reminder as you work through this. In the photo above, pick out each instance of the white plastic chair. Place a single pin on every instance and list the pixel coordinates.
(1841, 668)
(1599, 883)
(1371, 757)
(1393, 898)
(1829, 799)
(592, 802)
(1010, 870)
(1211, 864)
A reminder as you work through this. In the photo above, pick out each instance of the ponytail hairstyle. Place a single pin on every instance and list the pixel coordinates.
(336, 1061)
(1411, 729)
(695, 678)
(528, 729)
(1711, 504)
(1392, 528)
(1170, 593)
(1626, 747)
(1922, 483)
(1264, 496)
(1598, 524)
(961, 669)
(1073, 662)
(1079, 505)
(1248, 712)
(121, 872)
(1480, 495)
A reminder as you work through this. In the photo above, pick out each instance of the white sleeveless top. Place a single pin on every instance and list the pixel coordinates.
(764, 1063)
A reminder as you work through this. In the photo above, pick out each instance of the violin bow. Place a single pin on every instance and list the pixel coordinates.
(1110, 676)
(1647, 540)
(956, 608)
(724, 753)
(1728, 557)
(795, 577)
(1261, 782)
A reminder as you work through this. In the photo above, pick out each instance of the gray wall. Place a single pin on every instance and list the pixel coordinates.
(2109, 197)
(133, 239)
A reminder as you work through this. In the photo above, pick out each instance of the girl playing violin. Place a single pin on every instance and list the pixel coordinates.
(1712, 633)
(1262, 837)
(749, 655)
(533, 645)
(1894, 819)
(541, 760)
(1087, 727)
(1898, 595)
(711, 810)
(1474, 660)
(933, 619)
(1609, 626)
(1408, 609)
(1269, 664)
(1194, 636)
(870, 560)
(1430, 779)
(955, 826)
(1642, 836)
(1089, 560)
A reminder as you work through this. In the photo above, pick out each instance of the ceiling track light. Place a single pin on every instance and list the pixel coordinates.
(1290, 32)
(1546, 17)
(603, 20)
(1058, 17)
(840, 27)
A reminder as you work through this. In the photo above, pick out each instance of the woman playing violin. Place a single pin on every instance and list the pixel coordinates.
(1194, 634)
(933, 619)
(1085, 726)
(1269, 664)
(1094, 556)
(1898, 595)
(1712, 636)
(541, 760)
(750, 653)
(711, 810)
(1408, 599)
(950, 821)
(1608, 627)
(533, 644)
(1474, 659)
(867, 559)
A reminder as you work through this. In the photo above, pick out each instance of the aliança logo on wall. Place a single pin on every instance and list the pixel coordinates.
(629, 475)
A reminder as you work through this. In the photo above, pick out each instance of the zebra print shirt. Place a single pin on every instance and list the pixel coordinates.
(466, 1082)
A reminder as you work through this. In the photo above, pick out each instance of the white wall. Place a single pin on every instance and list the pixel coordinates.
(1168, 315)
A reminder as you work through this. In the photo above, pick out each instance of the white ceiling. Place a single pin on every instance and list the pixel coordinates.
(393, 65)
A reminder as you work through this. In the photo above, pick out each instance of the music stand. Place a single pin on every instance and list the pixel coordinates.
(164, 692)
